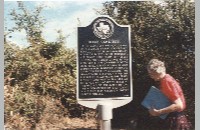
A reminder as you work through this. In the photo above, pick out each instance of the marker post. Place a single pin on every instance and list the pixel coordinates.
(104, 67)
(104, 116)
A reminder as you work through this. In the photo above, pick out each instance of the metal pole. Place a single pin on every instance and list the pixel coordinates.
(105, 116)
(105, 125)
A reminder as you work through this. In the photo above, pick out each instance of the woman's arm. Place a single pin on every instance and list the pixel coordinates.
(176, 106)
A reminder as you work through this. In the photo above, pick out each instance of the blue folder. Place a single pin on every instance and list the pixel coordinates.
(156, 99)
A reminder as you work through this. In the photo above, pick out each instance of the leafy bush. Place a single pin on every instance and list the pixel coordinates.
(39, 76)
(164, 31)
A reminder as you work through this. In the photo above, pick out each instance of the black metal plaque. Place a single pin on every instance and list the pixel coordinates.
(103, 60)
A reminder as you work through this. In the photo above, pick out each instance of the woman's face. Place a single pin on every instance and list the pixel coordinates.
(154, 75)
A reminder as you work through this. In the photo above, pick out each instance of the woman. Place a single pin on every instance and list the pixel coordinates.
(176, 119)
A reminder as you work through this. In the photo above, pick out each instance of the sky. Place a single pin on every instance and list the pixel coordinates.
(60, 15)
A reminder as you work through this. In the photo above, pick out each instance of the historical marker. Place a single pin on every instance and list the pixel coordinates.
(104, 61)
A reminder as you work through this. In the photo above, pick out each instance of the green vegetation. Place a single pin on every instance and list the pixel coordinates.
(163, 31)
(40, 76)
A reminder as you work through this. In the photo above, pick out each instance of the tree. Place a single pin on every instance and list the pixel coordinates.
(164, 31)
(31, 21)
(38, 77)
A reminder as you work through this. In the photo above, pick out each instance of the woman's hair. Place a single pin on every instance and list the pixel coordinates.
(156, 65)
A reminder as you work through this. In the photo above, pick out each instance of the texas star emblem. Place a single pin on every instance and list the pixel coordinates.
(103, 28)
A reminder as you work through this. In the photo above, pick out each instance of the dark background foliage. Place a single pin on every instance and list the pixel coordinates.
(163, 31)
(41, 79)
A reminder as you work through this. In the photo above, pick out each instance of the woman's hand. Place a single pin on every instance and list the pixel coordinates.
(176, 106)
(154, 112)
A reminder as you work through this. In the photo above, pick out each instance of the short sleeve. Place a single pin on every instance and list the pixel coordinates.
(170, 89)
